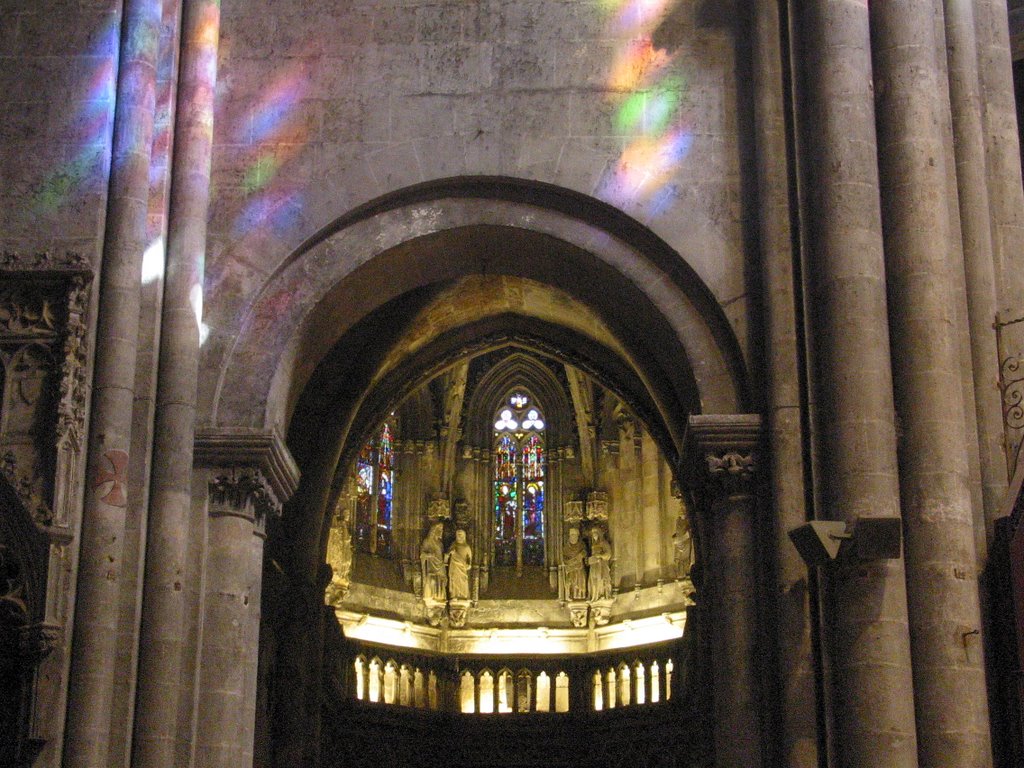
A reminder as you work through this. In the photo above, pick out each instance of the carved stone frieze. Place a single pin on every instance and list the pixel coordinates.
(43, 304)
(601, 612)
(43, 262)
(572, 512)
(73, 388)
(732, 471)
(439, 508)
(597, 506)
(29, 487)
(28, 311)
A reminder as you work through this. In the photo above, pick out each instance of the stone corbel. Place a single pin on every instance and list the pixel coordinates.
(251, 472)
(725, 452)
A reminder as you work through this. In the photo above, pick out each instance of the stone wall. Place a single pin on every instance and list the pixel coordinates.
(320, 109)
(58, 83)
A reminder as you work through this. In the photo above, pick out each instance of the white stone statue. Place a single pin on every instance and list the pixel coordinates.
(574, 558)
(460, 558)
(599, 580)
(432, 564)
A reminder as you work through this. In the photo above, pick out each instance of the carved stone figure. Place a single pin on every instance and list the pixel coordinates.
(459, 558)
(339, 552)
(682, 543)
(574, 558)
(599, 580)
(432, 564)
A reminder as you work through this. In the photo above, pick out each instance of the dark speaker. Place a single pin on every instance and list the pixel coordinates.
(818, 541)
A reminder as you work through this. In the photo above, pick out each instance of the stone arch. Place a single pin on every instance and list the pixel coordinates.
(523, 371)
(647, 322)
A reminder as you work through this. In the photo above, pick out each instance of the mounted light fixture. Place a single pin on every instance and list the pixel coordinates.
(873, 538)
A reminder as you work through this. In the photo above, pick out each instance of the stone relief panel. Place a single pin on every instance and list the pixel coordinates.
(43, 393)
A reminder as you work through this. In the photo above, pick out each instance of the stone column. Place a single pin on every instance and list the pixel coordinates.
(975, 221)
(100, 577)
(249, 476)
(1006, 194)
(942, 580)
(797, 732)
(871, 691)
(171, 580)
(726, 450)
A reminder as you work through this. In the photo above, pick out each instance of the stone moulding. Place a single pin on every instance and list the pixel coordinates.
(257, 450)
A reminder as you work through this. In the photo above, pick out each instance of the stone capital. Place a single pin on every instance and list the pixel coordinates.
(252, 472)
(723, 452)
(37, 641)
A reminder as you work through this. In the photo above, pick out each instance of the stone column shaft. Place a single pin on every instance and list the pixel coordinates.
(103, 518)
(1005, 191)
(942, 582)
(727, 447)
(250, 474)
(170, 580)
(866, 621)
(797, 738)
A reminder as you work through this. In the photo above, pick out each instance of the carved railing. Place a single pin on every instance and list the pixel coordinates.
(366, 674)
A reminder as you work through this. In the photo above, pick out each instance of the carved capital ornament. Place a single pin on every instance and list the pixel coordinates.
(724, 452)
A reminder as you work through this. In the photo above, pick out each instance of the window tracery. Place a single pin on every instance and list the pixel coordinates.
(519, 482)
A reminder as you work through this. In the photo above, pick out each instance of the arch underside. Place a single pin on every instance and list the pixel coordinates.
(404, 290)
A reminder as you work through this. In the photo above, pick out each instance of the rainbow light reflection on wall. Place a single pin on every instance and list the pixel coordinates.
(277, 133)
(650, 90)
(90, 124)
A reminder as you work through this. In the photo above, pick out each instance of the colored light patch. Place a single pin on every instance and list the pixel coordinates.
(260, 172)
(631, 113)
(277, 104)
(639, 15)
(647, 162)
(639, 65)
(660, 109)
(153, 261)
(195, 298)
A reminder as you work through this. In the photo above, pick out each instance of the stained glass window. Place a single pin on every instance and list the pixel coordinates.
(519, 482)
(375, 476)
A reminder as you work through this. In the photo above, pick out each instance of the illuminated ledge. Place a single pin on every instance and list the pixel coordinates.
(627, 633)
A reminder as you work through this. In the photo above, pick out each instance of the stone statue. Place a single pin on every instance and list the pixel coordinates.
(459, 558)
(432, 564)
(682, 543)
(574, 558)
(599, 580)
